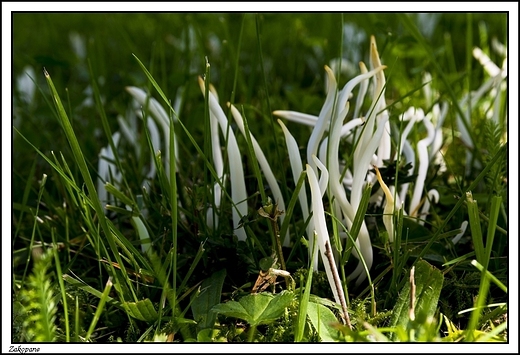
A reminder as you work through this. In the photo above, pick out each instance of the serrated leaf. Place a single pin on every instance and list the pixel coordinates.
(142, 310)
(209, 296)
(323, 320)
(256, 309)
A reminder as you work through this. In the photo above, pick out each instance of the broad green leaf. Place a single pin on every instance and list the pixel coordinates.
(255, 309)
(428, 283)
(323, 321)
(142, 310)
(209, 296)
(209, 336)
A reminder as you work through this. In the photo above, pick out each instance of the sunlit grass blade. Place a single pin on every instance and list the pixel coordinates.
(292, 203)
(82, 166)
(304, 299)
(460, 202)
(496, 202)
(476, 231)
(59, 276)
(492, 277)
(201, 153)
(100, 309)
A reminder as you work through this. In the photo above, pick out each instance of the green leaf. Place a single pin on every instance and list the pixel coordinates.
(142, 310)
(209, 336)
(211, 289)
(256, 309)
(476, 231)
(428, 285)
(322, 320)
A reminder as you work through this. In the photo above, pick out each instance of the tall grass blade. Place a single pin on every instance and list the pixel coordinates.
(82, 165)
(99, 310)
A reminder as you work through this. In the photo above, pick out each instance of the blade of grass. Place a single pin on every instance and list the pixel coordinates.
(460, 202)
(412, 28)
(304, 299)
(25, 197)
(173, 203)
(479, 305)
(268, 103)
(476, 232)
(82, 165)
(496, 202)
(359, 218)
(59, 276)
(492, 277)
(292, 203)
(190, 137)
(106, 126)
(31, 243)
(99, 309)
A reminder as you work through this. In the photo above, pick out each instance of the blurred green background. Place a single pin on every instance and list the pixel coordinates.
(295, 48)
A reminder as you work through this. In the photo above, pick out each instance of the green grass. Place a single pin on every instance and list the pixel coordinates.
(146, 264)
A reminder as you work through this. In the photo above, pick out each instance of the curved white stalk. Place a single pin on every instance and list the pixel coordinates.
(218, 163)
(491, 68)
(324, 118)
(236, 171)
(310, 120)
(363, 164)
(266, 168)
(297, 168)
(409, 155)
(360, 172)
(324, 178)
(106, 170)
(377, 101)
(433, 195)
(303, 118)
(412, 115)
(424, 162)
(365, 244)
(347, 128)
(422, 152)
(322, 234)
(363, 87)
(142, 232)
(459, 235)
(341, 112)
(102, 176)
(336, 189)
(160, 115)
(129, 134)
(156, 145)
(383, 151)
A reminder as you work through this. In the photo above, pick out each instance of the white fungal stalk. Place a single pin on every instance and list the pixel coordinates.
(375, 137)
(159, 114)
(107, 171)
(266, 168)
(218, 162)
(236, 171)
(320, 226)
